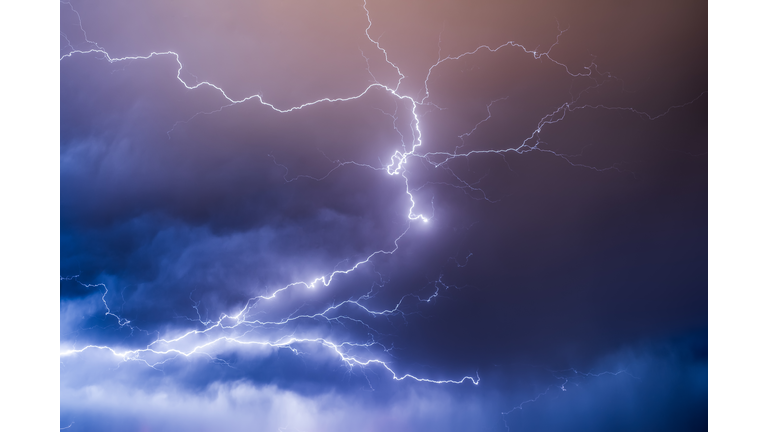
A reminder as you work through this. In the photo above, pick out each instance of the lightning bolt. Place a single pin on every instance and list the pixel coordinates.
(564, 379)
(241, 328)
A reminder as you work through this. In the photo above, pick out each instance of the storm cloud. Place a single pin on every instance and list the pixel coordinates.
(506, 194)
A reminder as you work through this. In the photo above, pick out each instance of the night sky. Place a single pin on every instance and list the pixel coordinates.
(305, 216)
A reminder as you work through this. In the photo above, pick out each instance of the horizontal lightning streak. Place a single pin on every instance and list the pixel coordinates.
(283, 342)
(560, 386)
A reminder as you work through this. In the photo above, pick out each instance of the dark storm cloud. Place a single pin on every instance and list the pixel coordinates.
(517, 397)
(175, 211)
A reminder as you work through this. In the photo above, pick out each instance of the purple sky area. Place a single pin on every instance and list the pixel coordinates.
(395, 216)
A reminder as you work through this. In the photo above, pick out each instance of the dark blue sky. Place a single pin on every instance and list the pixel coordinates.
(563, 264)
